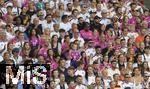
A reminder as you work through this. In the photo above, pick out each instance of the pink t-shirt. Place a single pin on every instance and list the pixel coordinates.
(43, 52)
(95, 39)
(132, 20)
(86, 35)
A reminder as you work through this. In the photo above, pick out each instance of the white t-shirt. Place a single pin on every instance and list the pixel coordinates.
(85, 16)
(19, 60)
(112, 72)
(124, 85)
(90, 52)
(81, 87)
(81, 41)
(55, 33)
(74, 21)
(65, 26)
(20, 28)
(132, 35)
(91, 80)
(82, 73)
(48, 25)
(146, 57)
(9, 36)
(105, 21)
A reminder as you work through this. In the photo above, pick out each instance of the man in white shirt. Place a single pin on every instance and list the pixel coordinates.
(48, 23)
(65, 24)
(56, 30)
(79, 81)
(74, 18)
(132, 33)
(97, 57)
(98, 84)
(146, 55)
(62, 84)
(3, 41)
(20, 41)
(127, 82)
(84, 13)
(16, 58)
(104, 19)
(146, 82)
(113, 70)
(81, 71)
(91, 50)
(77, 37)
(3, 9)
(15, 10)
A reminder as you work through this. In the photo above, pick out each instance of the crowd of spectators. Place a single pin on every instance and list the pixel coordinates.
(84, 44)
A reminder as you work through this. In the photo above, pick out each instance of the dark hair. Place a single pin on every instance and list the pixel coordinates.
(79, 63)
(68, 4)
(86, 24)
(145, 40)
(47, 16)
(48, 52)
(82, 53)
(52, 40)
(115, 74)
(134, 70)
(64, 17)
(74, 10)
(32, 53)
(142, 69)
(113, 61)
(30, 33)
(66, 37)
(132, 4)
(78, 76)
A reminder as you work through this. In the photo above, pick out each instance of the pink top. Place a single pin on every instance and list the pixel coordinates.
(75, 54)
(64, 46)
(132, 20)
(104, 65)
(53, 65)
(43, 52)
(34, 41)
(86, 34)
(41, 42)
(147, 19)
(96, 39)
(13, 40)
(117, 47)
(102, 44)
